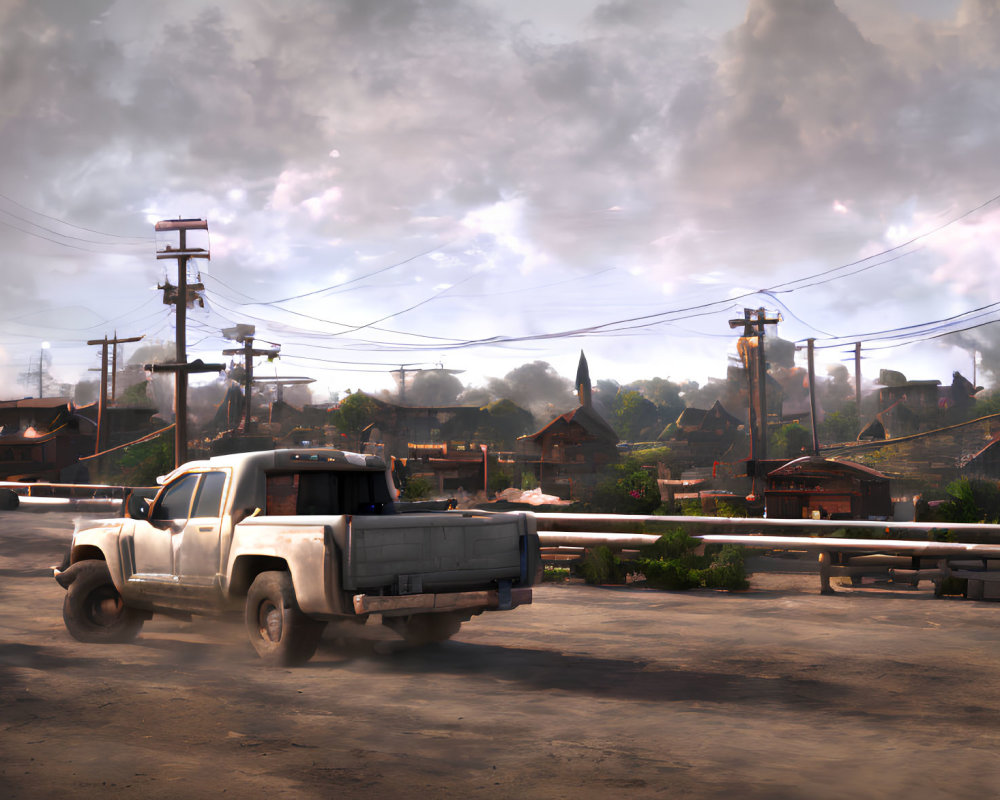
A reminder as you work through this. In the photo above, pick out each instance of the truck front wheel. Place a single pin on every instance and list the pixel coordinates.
(94, 611)
(280, 633)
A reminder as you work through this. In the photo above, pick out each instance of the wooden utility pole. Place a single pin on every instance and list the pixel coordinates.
(102, 397)
(248, 353)
(812, 395)
(180, 367)
(857, 379)
(758, 421)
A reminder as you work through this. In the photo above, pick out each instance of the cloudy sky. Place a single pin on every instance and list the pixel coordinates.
(483, 183)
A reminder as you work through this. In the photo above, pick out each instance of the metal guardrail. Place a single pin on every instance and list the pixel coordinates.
(63, 496)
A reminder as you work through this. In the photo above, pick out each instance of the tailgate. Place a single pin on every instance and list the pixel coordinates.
(413, 553)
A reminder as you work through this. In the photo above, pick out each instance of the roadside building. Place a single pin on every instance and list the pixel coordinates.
(814, 487)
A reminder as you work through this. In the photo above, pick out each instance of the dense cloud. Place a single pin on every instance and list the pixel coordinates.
(503, 177)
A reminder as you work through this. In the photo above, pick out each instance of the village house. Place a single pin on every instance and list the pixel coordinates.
(572, 448)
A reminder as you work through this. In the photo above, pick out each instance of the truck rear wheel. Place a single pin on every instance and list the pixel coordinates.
(93, 609)
(280, 633)
(427, 628)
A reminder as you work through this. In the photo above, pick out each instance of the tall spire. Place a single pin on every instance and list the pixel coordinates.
(583, 388)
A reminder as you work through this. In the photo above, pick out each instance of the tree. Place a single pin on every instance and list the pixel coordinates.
(634, 417)
(790, 441)
(840, 426)
(503, 421)
(356, 412)
(135, 396)
(665, 394)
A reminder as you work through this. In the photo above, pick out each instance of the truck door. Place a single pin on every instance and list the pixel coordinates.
(196, 548)
(154, 539)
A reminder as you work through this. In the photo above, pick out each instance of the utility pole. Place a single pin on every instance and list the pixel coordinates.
(102, 397)
(812, 394)
(754, 328)
(248, 353)
(180, 367)
(857, 379)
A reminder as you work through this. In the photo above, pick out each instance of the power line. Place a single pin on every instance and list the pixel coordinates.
(917, 238)
(355, 280)
(145, 239)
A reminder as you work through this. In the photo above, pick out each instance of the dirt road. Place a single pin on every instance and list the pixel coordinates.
(773, 693)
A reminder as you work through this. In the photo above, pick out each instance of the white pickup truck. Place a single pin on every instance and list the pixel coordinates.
(294, 538)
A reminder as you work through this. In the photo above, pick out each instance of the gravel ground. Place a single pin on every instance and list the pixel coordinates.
(777, 692)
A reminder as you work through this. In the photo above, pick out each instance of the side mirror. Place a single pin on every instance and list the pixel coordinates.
(137, 506)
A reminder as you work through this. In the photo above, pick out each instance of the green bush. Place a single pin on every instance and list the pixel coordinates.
(417, 488)
(726, 570)
(790, 441)
(138, 464)
(528, 481)
(626, 489)
(691, 508)
(601, 566)
(671, 575)
(970, 501)
(671, 564)
(498, 481)
(730, 510)
(555, 574)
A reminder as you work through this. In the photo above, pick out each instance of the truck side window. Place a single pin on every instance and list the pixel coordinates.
(208, 503)
(175, 502)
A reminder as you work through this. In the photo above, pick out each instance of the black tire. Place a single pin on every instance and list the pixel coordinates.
(93, 609)
(9, 500)
(420, 629)
(280, 633)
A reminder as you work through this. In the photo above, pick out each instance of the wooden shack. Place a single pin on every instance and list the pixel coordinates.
(814, 487)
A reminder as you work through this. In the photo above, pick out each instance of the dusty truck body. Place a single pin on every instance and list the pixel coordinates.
(294, 539)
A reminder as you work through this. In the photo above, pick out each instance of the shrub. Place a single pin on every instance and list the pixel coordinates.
(970, 501)
(691, 508)
(671, 575)
(627, 489)
(417, 488)
(498, 481)
(600, 566)
(671, 564)
(726, 509)
(139, 464)
(555, 574)
(726, 570)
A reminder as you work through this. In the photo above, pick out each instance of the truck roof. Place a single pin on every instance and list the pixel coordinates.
(290, 458)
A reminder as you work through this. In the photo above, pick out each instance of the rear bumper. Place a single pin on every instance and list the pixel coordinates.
(487, 600)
